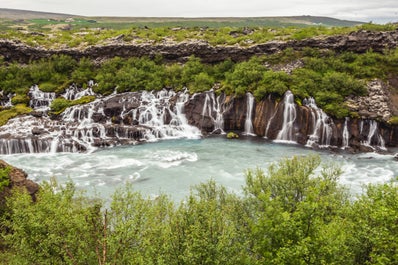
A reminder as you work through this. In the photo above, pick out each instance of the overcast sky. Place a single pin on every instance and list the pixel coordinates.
(378, 11)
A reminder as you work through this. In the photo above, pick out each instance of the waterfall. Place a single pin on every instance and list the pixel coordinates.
(166, 121)
(73, 92)
(374, 136)
(40, 100)
(117, 119)
(346, 135)
(5, 100)
(249, 112)
(286, 134)
(213, 109)
(322, 127)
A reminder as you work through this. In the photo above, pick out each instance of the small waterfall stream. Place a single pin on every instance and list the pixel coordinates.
(286, 134)
(40, 100)
(249, 113)
(322, 127)
(374, 139)
(213, 108)
(74, 92)
(346, 134)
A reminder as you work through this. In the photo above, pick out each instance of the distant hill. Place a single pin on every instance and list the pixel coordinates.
(14, 14)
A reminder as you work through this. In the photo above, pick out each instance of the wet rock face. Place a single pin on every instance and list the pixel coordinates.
(133, 117)
(308, 125)
(18, 178)
(359, 41)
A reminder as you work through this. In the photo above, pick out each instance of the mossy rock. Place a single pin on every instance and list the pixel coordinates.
(232, 135)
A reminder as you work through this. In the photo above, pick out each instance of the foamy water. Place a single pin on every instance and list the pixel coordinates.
(174, 166)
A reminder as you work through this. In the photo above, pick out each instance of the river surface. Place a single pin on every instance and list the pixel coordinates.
(174, 166)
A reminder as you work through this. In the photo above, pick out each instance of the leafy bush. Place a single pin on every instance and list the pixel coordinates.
(58, 105)
(20, 99)
(4, 177)
(294, 213)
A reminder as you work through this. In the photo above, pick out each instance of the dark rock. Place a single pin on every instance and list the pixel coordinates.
(38, 131)
(18, 179)
(358, 41)
(37, 114)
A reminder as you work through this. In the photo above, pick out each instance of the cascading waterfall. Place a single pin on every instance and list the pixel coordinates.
(249, 112)
(286, 134)
(132, 117)
(374, 136)
(346, 134)
(5, 100)
(40, 100)
(155, 111)
(73, 92)
(323, 130)
(149, 116)
(213, 109)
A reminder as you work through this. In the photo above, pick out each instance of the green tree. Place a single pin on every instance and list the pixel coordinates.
(245, 77)
(139, 230)
(59, 228)
(373, 236)
(296, 213)
(210, 228)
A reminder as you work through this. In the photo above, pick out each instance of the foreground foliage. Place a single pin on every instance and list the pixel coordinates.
(294, 213)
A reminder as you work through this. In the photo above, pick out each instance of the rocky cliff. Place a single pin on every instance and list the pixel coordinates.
(359, 41)
(135, 117)
(18, 179)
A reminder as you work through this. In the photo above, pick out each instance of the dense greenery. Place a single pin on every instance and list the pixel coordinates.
(327, 76)
(292, 214)
(4, 177)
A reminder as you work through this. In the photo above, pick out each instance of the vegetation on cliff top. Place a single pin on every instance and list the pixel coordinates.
(78, 32)
(327, 76)
(292, 214)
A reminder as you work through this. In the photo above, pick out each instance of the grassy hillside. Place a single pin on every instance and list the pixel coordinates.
(24, 17)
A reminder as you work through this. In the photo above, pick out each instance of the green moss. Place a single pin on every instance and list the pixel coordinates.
(10, 113)
(393, 120)
(232, 135)
(60, 104)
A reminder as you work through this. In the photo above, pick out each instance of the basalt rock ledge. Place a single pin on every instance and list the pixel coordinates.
(358, 41)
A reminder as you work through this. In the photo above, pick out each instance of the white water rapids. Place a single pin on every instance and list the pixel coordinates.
(173, 166)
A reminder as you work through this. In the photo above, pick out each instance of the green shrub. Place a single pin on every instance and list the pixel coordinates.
(4, 177)
(58, 105)
(296, 212)
(20, 99)
(47, 87)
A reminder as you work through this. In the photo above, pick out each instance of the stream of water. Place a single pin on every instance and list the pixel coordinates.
(173, 166)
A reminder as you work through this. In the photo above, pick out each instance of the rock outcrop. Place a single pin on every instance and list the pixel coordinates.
(358, 41)
(376, 105)
(18, 179)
